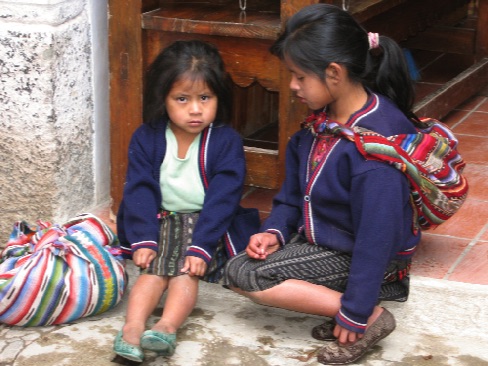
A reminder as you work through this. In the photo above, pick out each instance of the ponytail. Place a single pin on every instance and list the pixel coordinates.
(386, 72)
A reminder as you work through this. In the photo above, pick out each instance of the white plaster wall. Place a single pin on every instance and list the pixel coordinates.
(53, 110)
(98, 14)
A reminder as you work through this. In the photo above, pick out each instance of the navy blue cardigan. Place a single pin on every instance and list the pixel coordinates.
(350, 205)
(222, 171)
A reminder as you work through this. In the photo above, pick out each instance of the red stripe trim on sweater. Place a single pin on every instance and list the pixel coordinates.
(199, 251)
(203, 156)
(349, 322)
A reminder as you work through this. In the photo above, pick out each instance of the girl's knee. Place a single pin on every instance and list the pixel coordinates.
(248, 275)
(152, 280)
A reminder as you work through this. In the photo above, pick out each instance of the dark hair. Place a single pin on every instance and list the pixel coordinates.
(321, 33)
(194, 59)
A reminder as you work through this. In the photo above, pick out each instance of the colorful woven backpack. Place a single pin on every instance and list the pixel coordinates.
(428, 158)
(430, 161)
(58, 273)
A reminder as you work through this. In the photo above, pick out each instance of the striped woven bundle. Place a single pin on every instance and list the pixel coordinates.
(59, 273)
(430, 161)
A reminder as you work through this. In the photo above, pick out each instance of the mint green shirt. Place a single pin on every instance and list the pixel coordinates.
(181, 185)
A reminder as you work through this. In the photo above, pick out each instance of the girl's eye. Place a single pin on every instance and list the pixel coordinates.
(298, 77)
(205, 97)
(181, 99)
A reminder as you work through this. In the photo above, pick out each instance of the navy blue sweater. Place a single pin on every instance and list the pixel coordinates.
(351, 205)
(222, 170)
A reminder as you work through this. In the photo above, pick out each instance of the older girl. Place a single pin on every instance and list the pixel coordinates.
(340, 235)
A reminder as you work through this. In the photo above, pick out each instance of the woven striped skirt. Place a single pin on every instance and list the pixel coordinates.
(176, 235)
(311, 263)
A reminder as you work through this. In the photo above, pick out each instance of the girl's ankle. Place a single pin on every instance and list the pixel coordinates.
(376, 313)
(164, 328)
(132, 334)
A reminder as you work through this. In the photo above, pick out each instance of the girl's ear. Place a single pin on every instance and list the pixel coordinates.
(334, 72)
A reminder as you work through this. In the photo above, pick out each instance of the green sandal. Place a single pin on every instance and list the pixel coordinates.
(127, 350)
(163, 344)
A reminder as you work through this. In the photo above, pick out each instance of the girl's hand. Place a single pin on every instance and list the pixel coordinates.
(346, 337)
(143, 257)
(194, 266)
(261, 245)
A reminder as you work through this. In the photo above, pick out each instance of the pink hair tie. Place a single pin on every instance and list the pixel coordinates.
(374, 40)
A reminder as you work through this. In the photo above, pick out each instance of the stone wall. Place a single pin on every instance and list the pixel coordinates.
(46, 112)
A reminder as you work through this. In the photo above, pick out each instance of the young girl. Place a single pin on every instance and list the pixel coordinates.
(340, 235)
(180, 217)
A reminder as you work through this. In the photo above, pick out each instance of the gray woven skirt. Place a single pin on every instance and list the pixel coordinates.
(176, 235)
(312, 263)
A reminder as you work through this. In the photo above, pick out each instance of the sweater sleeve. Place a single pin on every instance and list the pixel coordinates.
(137, 220)
(286, 215)
(379, 196)
(226, 170)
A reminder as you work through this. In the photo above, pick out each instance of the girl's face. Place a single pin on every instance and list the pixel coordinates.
(309, 88)
(191, 106)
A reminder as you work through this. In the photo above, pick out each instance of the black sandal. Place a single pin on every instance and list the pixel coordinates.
(324, 331)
